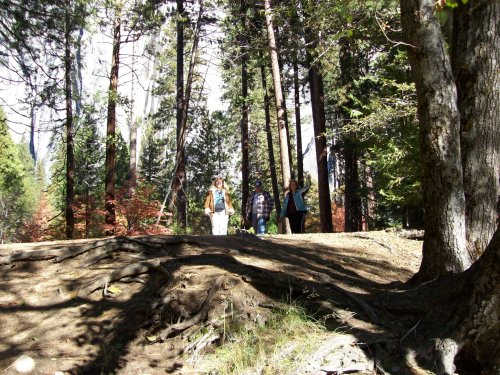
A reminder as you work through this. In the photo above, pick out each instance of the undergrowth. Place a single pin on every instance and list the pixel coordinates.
(274, 348)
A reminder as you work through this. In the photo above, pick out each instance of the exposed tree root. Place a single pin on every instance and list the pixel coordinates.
(126, 271)
(104, 248)
(30, 256)
(197, 318)
(358, 300)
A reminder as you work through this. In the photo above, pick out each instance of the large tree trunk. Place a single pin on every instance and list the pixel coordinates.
(371, 204)
(475, 60)
(70, 154)
(481, 329)
(298, 123)
(132, 131)
(352, 204)
(283, 90)
(319, 122)
(352, 193)
(458, 319)
(179, 181)
(278, 96)
(178, 197)
(270, 147)
(444, 204)
(245, 165)
(109, 181)
(76, 75)
(318, 112)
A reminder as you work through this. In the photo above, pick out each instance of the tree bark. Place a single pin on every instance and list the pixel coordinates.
(278, 97)
(298, 123)
(109, 198)
(285, 112)
(318, 111)
(352, 204)
(180, 170)
(371, 203)
(459, 321)
(319, 122)
(352, 194)
(132, 131)
(475, 59)
(480, 331)
(178, 199)
(270, 147)
(70, 154)
(444, 203)
(245, 165)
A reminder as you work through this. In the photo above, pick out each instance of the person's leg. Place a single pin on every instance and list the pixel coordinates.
(302, 222)
(216, 223)
(223, 223)
(294, 223)
(255, 223)
(261, 226)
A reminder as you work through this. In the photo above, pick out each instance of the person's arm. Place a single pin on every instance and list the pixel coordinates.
(283, 207)
(306, 188)
(208, 210)
(229, 204)
(248, 206)
(268, 205)
(271, 203)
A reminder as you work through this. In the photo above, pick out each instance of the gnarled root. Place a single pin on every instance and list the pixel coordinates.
(197, 318)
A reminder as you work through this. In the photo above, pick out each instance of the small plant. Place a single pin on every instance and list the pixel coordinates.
(272, 348)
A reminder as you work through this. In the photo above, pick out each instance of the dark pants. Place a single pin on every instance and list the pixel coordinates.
(297, 222)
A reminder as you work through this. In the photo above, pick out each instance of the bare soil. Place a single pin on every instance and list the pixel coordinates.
(140, 305)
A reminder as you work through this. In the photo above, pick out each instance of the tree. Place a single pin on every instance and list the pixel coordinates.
(179, 181)
(319, 122)
(474, 59)
(70, 156)
(467, 320)
(298, 121)
(278, 97)
(444, 243)
(89, 171)
(269, 134)
(25, 32)
(19, 189)
(350, 153)
(109, 181)
(151, 160)
(243, 54)
(439, 116)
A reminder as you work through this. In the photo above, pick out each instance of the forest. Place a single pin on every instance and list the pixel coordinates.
(112, 125)
(98, 177)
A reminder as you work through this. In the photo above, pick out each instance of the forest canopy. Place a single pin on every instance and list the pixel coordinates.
(101, 88)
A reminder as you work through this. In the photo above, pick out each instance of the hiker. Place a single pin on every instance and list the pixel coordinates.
(258, 209)
(218, 206)
(294, 207)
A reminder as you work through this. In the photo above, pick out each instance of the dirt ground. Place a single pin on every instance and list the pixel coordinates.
(140, 307)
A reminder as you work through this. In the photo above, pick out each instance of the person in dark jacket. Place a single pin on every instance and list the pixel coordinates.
(258, 209)
(294, 207)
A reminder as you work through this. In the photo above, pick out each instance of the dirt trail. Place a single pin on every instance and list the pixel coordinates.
(147, 322)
